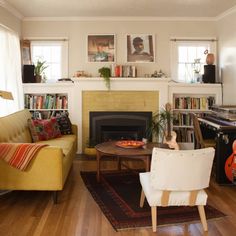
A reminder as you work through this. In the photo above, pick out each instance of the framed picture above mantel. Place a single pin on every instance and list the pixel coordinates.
(140, 48)
(101, 48)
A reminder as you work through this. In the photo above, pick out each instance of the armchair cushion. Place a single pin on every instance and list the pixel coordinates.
(176, 198)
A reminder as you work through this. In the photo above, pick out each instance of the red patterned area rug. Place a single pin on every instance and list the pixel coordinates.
(118, 195)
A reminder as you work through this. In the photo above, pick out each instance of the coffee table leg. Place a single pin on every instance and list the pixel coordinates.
(118, 163)
(98, 155)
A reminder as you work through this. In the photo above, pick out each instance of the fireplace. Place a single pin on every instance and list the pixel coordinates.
(107, 126)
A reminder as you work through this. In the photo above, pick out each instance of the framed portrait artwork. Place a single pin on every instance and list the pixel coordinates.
(101, 48)
(140, 48)
(25, 52)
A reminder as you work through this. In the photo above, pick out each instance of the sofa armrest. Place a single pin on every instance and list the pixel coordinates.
(45, 172)
(74, 129)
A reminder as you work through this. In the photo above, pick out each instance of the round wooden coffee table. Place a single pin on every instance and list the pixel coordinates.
(111, 149)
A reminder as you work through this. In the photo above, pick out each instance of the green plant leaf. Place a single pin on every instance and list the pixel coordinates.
(105, 72)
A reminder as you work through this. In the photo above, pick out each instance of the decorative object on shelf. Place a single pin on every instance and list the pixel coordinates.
(159, 74)
(101, 48)
(161, 123)
(210, 58)
(196, 71)
(81, 73)
(140, 48)
(105, 72)
(39, 69)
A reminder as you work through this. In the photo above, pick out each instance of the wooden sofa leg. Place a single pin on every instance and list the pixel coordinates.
(55, 197)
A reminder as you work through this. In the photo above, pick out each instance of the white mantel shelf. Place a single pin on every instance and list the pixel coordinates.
(164, 86)
(122, 79)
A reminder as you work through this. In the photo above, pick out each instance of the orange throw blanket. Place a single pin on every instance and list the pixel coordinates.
(19, 155)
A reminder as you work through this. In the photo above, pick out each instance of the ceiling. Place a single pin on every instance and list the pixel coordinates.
(123, 8)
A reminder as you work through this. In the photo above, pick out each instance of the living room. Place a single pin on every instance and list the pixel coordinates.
(76, 212)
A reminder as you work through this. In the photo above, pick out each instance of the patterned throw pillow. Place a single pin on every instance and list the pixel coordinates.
(64, 124)
(44, 129)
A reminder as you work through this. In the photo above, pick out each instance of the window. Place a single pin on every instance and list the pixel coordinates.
(55, 53)
(188, 58)
(10, 71)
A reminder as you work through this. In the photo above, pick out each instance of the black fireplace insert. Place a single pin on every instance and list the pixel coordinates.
(107, 126)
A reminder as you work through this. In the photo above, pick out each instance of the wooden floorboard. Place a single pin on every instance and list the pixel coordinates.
(33, 212)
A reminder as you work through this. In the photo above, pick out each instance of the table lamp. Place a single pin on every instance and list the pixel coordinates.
(6, 95)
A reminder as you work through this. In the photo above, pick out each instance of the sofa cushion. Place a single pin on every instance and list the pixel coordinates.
(44, 129)
(64, 124)
(65, 142)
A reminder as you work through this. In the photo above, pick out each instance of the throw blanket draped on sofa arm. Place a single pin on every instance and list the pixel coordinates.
(19, 155)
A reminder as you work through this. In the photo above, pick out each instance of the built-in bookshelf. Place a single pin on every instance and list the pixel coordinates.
(188, 99)
(184, 106)
(44, 106)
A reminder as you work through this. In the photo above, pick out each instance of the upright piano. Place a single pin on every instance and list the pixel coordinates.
(220, 124)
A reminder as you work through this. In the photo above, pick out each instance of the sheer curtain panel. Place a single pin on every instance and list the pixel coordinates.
(10, 71)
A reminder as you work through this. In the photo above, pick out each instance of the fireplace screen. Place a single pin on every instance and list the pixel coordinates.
(108, 126)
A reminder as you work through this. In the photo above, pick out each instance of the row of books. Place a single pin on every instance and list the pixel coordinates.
(202, 103)
(123, 71)
(47, 101)
(46, 114)
(182, 119)
(185, 135)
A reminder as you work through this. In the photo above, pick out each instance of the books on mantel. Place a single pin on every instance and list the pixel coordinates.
(123, 71)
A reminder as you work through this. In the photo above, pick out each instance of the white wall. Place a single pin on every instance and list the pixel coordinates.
(227, 56)
(9, 20)
(77, 32)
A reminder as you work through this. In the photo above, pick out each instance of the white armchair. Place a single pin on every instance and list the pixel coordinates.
(177, 178)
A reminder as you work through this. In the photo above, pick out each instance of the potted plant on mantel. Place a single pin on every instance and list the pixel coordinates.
(39, 69)
(105, 72)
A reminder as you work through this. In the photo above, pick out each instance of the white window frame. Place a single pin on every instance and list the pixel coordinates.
(64, 56)
(176, 42)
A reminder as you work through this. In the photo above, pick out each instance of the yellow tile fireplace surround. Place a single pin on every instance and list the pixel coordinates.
(116, 101)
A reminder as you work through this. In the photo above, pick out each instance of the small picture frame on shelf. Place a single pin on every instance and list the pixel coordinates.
(101, 48)
(25, 52)
(140, 48)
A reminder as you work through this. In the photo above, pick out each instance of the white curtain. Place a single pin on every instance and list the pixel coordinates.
(10, 71)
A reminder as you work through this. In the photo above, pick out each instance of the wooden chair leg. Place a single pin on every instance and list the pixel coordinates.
(154, 218)
(142, 198)
(202, 217)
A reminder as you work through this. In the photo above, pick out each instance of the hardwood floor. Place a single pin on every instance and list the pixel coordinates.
(33, 213)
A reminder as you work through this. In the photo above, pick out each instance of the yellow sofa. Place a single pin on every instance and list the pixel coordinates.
(48, 170)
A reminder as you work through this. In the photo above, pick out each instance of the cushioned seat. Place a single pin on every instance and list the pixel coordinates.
(64, 142)
(176, 198)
